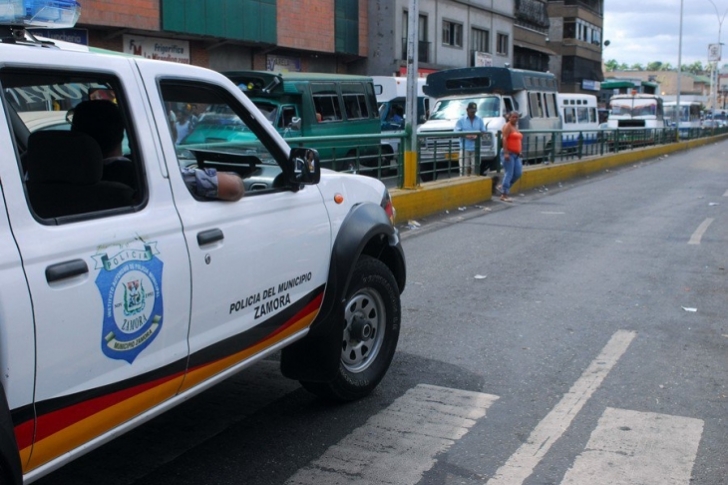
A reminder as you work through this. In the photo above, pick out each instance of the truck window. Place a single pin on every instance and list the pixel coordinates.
(221, 135)
(287, 115)
(326, 101)
(75, 144)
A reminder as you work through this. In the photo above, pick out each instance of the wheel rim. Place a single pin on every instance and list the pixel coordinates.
(365, 318)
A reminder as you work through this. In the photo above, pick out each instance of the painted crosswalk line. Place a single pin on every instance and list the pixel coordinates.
(638, 448)
(522, 463)
(398, 445)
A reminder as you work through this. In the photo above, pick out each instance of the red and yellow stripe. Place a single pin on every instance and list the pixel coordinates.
(67, 426)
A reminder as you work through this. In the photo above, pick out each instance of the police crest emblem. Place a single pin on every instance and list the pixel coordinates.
(130, 283)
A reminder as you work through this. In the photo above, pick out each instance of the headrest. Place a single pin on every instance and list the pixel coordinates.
(64, 157)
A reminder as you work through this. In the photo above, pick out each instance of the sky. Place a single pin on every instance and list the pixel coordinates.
(643, 31)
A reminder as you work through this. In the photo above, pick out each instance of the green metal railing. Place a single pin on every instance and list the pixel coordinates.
(438, 153)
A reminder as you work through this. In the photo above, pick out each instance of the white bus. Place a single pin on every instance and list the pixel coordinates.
(689, 116)
(639, 118)
(497, 91)
(636, 111)
(579, 117)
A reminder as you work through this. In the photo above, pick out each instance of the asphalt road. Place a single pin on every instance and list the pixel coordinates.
(577, 335)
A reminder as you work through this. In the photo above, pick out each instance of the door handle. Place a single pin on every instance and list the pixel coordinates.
(67, 269)
(209, 236)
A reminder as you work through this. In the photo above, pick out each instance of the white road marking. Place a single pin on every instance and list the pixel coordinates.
(631, 447)
(698, 234)
(522, 463)
(725, 194)
(397, 445)
(553, 213)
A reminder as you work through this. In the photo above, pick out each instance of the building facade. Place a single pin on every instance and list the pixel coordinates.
(450, 34)
(302, 35)
(353, 36)
(530, 35)
(575, 35)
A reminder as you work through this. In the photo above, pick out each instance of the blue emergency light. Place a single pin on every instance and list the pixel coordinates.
(47, 14)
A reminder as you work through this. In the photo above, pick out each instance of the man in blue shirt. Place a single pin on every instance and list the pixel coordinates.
(469, 122)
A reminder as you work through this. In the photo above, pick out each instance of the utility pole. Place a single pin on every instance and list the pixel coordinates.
(410, 154)
(679, 71)
(715, 58)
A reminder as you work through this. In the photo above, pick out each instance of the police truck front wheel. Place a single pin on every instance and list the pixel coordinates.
(370, 331)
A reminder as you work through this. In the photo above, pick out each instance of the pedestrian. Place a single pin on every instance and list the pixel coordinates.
(469, 122)
(511, 156)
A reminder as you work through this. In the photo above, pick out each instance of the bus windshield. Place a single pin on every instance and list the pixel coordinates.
(452, 109)
(633, 108)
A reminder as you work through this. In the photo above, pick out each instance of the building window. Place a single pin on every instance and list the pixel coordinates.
(346, 26)
(452, 34)
(582, 30)
(502, 44)
(423, 46)
(480, 40)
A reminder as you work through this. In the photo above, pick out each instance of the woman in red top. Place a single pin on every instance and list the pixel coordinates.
(511, 155)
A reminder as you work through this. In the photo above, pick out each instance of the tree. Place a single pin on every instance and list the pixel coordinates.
(623, 67)
(666, 67)
(611, 65)
(637, 67)
(694, 68)
(654, 66)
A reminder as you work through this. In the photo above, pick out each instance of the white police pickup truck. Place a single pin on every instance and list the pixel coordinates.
(122, 297)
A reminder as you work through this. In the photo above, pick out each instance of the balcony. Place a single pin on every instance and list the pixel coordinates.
(423, 50)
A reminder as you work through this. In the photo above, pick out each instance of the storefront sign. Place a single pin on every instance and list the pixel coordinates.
(283, 64)
(482, 59)
(174, 50)
(589, 85)
(77, 36)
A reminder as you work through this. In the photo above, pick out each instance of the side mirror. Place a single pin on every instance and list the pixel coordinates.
(306, 166)
(295, 123)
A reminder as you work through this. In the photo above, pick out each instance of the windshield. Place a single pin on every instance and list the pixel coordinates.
(453, 109)
(633, 108)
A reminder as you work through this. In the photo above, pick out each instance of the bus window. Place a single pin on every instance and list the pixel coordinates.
(582, 114)
(569, 115)
(326, 101)
(551, 105)
(592, 115)
(534, 102)
(355, 101)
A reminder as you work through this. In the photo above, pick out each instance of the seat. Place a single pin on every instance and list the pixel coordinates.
(65, 170)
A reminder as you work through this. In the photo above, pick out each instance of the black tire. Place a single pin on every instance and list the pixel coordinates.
(372, 316)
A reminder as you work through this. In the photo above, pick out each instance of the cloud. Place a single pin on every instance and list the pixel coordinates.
(643, 31)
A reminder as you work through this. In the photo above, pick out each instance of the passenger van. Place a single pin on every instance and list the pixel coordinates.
(391, 92)
(319, 105)
(579, 118)
(497, 91)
